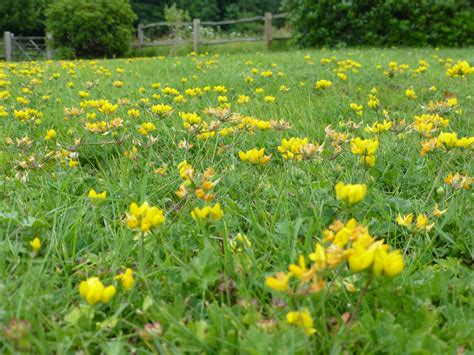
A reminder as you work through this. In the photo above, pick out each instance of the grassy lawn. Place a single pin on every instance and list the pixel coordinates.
(216, 279)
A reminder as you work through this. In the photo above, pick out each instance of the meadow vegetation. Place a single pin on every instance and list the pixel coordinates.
(295, 202)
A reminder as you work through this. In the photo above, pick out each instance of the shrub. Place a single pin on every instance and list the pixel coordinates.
(91, 28)
(382, 22)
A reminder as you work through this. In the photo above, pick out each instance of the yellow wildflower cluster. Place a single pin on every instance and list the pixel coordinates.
(96, 197)
(254, 156)
(200, 185)
(350, 193)
(378, 127)
(366, 148)
(425, 124)
(394, 67)
(322, 84)
(356, 108)
(190, 119)
(161, 110)
(208, 213)
(301, 319)
(144, 217)
(146, 128)
(93, 291)
(460, 70)
(126, 279)
(451, 140)
(373, 102)
(298, 148)
(349, 242)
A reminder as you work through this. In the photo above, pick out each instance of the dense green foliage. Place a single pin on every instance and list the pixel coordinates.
(153, 10)
(91, 28)
(25, 17)
(382, 22)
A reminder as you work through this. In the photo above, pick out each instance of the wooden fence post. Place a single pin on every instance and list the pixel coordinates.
(196, 34)
(141, 36)
(267, 34)
(8, 43)
(49, 46)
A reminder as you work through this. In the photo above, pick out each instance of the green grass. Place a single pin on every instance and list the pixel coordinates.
(206, 296)
(226, 48)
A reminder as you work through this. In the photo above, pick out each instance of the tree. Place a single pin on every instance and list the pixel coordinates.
(25, 17)
(91, 28)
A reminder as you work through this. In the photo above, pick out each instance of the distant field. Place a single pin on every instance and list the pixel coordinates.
(238, 250)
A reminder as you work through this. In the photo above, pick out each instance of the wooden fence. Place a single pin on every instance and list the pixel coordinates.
(196, 25)
(27, 48)
(33, 48)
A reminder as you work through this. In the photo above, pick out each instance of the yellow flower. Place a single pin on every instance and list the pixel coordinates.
(51, 134)
(146, 128)
(356, 108)
(269, 99)
(319, 257)
(377, 257)
(437, 212)
(254, 156)
(465, 142)
(322, 84)
(243, 99)
(302, 319)
(410, 93)
(446, 139)
(422, 223)
(379, 127)
(144, 217)
(35, 244)
(361, 258)
(126, 279)
(388, 264)
(301, 271)
(208, 213)
(93, 290)
(350, 193)
(190, 119)
(279, 282)
(361, 146)
(185, 170)
(133, 113)
(96, 197)
(406, 220)
(460, 69)
(161, 109)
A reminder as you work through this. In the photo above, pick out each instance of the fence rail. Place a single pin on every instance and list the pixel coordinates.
(27, 48)
(196, 40)
(32, 48)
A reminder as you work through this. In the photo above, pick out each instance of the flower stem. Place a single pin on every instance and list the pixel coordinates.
(358, 304)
